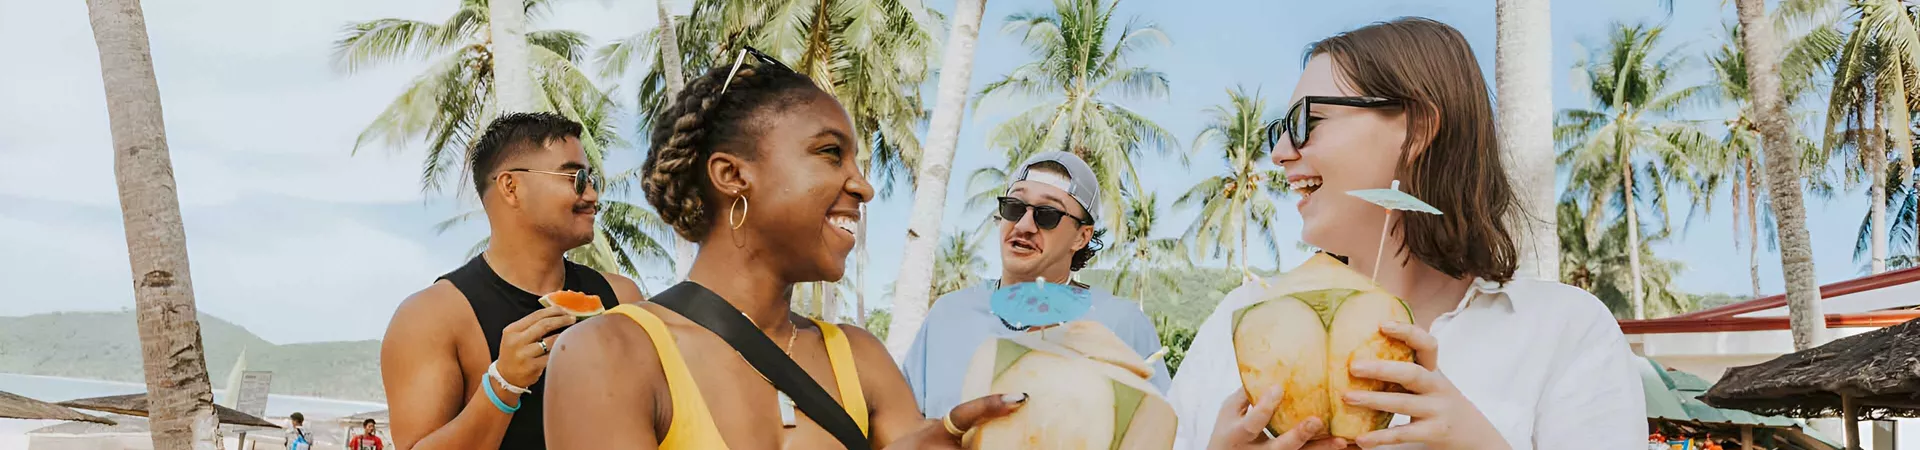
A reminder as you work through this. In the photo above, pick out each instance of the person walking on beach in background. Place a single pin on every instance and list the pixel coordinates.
(297, 437)
(1047, 219)
(463, 359)
(367, 439)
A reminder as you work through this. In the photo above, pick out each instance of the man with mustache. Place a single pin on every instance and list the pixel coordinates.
(1047, 231)
(463, 359)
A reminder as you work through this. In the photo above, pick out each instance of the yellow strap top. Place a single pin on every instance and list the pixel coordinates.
(693, 427)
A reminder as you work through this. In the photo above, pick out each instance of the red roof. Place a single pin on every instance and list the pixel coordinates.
(1725, 318)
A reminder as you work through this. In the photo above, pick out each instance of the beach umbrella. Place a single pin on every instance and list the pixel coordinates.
(136, 405)
(1392, 199)
(14, 406)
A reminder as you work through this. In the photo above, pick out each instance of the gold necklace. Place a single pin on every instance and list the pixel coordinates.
(787, 416)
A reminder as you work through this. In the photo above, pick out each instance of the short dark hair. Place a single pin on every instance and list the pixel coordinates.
(1431, 68)
(369, 421)
(507, 135)
(297, 418)
(701, 122)
(1086, 254)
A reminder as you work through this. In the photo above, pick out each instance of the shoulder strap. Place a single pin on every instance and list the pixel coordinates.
(706, 308)
(846, 373)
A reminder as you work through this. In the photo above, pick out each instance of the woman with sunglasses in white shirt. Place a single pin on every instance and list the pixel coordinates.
(1501, 362)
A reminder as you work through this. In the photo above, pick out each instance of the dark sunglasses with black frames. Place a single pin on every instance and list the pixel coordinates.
(1296, 126)
(1045, 217)
(582, 178)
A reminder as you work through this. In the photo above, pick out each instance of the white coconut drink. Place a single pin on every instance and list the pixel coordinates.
(1088, 391)
(1304, 333)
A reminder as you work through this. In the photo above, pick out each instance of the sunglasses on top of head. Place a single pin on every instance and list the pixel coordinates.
(758, 57)
(1295, 125)
(582, 178)
(1045, 217)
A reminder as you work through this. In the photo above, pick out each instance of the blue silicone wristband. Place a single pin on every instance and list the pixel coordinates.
(487, 386)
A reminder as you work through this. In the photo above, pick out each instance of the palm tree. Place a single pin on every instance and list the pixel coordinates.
(1738, 163)
(675, 80)
(171, 355)
(1783, 173)
(1876, 83)
(1142, 259)
(935, 169)
(1902, 234)
(959, 265)
(1239, 200)
(512, 78)
(1076, 74)
(1523, 77)
(1595, 260)
(1628, 134)
(450, 105)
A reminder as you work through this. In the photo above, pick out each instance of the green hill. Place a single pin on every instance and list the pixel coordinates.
(106, 346)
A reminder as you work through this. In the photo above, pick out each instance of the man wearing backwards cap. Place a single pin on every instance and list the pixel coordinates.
(1046, 231)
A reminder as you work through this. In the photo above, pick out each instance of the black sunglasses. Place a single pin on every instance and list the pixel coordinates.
(581, 178)
(758, 57)
(1295, 127)
(1045, 217)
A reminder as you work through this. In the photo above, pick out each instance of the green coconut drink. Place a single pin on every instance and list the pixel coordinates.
(1088, 390)
(1305, 332)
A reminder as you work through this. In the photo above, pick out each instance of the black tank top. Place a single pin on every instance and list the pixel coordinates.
(496, 304)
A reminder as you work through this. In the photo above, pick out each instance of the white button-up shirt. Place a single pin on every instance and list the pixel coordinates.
(1544, 362)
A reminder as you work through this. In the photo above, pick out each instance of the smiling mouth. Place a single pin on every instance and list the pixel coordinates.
(844, 223)
(1305, 186)
(1022, 245)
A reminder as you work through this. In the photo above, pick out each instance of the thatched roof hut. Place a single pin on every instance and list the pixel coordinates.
(14, 406)
(136, 405)
(1875, 375)
(1878, 370)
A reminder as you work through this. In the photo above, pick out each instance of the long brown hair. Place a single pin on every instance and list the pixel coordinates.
(1451, 158)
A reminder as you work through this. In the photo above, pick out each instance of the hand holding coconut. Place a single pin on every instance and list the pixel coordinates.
(1443, 418)
(1242, 426)
(941, 434)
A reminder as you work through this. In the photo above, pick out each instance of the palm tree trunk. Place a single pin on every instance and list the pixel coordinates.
(831, 309)
(930, 190)
(860, 272)
(179, 394)
(1523, 77)
(1783, 174)
(1876, 161)
(683, 250)
(1753, 226)
(1633, 240)
(512, 77)
(1240, 215)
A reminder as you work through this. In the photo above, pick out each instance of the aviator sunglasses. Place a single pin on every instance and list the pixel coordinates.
(582, 178)
(1295, 126)
(1045, 217)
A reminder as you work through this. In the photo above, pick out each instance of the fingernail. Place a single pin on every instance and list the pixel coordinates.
(1014, 398)
(1313, 425)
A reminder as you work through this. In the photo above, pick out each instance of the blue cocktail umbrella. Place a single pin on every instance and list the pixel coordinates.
(1391, 199)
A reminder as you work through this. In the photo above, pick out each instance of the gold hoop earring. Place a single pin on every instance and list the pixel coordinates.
(742, 201)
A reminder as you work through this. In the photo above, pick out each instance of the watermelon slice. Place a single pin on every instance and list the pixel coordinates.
(579, 304)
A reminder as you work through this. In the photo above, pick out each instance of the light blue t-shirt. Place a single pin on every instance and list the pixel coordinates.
(960, 321)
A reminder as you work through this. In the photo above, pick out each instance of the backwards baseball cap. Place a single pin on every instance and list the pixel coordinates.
(1078, 181)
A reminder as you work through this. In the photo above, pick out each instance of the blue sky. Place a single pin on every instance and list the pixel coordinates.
(295, 239)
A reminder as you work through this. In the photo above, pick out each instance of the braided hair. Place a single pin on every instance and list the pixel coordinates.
(703, 120)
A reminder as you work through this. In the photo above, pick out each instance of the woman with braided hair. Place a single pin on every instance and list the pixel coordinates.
(755, 163)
